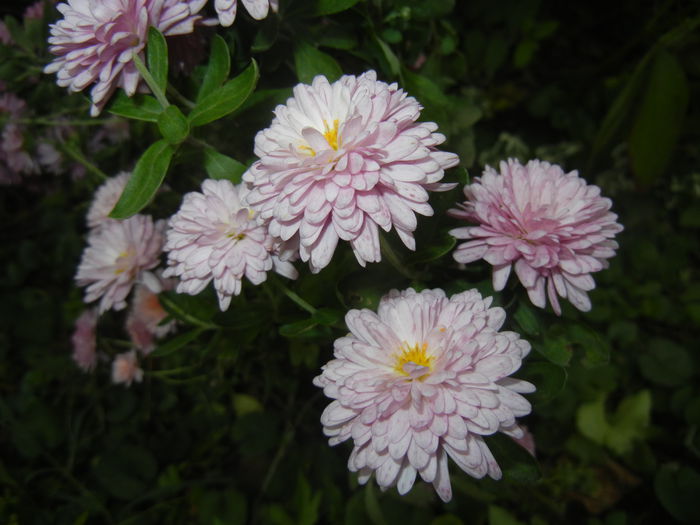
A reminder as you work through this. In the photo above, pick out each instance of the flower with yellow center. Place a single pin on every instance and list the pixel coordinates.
(414, 361)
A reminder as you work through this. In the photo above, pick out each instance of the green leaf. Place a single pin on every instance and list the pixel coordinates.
(391, 60)
(157, 54)
(527, 319)
(666, 363)
(517, 464)
(244, 404)
(218, 68)
(309, 62)
(447, 519)
(591, 420)
(660, 118)
(194, 310)
(327, 316)
(630, 422)
(677, 487)
(220, 166)
(556, 349)
(549, 379)
(441, 246)
(138, 107)
(328, 7)
(597, 350)
(619, 114)
(176, 343)
(500, 516)
(298, 328)
(173, 125)
(227, 99)
(145, 180)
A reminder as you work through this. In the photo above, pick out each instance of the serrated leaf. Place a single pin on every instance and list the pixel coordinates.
(218, 68)
(309, 62)
(220, 166)
(138, 107)
(157, 55)
(660, 118)
(227, 99)
(145, 180)
(173, 125)
(328, 7)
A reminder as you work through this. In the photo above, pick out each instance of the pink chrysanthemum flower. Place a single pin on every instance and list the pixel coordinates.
(424, 378)
(215, 236)
(106, 198)
(85, 341)
(342, 160)
(116, 256)
(552, 226)
(95, 41)
(258, 9)
(144, 320)
(125, 369)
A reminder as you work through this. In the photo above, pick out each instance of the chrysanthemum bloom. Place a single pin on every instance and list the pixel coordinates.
(258, 9)
(125, 369)
(117, 254)
(342, 160)
(144, 320)
(552, 226)
(95, 41)
(424, 378)
(84, 340)
(214, 236)
(105, 199)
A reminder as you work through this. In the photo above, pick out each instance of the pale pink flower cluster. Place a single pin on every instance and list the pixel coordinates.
(258, 9)
(423, 379)
(84, 340)
(95, 41)
(552, 227)
(126, 369)
(15, 161)
(215, 236)
(342, 160)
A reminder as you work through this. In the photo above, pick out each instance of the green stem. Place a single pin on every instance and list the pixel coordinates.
(390, 255)
(50, 122)
(184, 100)
(78, 156)
(155, 89)
(294, 297)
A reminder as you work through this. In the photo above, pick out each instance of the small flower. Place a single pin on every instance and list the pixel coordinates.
(258, 9)
(116, 256)
(105, 199)
(95, 41)
(342, 160)
(214, 236)
(144, 320)
(125, 369)
(424, 378)
(84, 340)
(555, 229)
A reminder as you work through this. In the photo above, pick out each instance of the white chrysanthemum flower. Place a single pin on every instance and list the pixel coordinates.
(106, 198)
(214, 236)
(116, 256)
(258, 9)
(341, 161)
(424, 379)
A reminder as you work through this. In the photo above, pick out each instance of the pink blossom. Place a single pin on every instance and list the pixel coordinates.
(5, 36)
(84, 340)
(105, 198)
(34, 11)
(342, 160)
(117, 255)
(258, 9)
(552, 226)
(214, 236)
(95, 41)
(144, 320)
(49, 158)
(424, 378)
(527, 441)
(125, 369)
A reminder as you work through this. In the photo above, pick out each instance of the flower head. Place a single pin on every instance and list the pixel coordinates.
(552, 226)
(96, 41)
(144, 320)
(258, 9)
(424, 378)
(342, 160)
(105, 199)
(214, 236)
(84, 340)
(125, 369)
(116, 256)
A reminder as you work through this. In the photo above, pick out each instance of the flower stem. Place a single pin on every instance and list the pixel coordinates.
(78, 156)
(390, 255)
(294, 297)
(185, 101)
(157, 92)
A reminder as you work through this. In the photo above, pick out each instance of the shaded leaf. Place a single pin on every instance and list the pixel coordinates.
(218, 68)
(677, 487)
(328, 7)
(138, 107)
(157, 55)
(309, 62)
(176, 343)
(173, 125)
(517, 464)
(145, 180)
(220, 166)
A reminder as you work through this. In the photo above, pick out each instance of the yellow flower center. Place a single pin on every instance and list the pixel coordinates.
(332, 134)
(416, 354)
